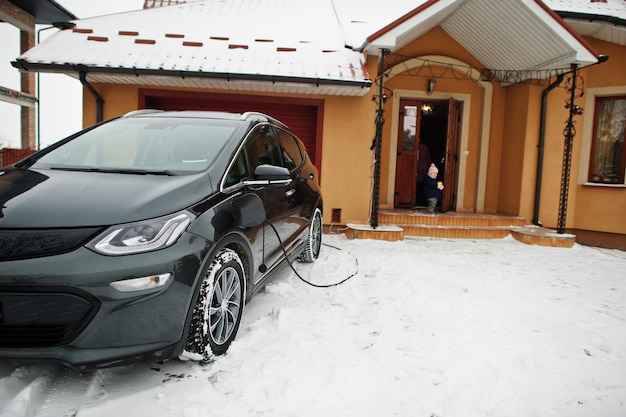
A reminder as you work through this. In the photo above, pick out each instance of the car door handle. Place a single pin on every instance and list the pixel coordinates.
(290, 193)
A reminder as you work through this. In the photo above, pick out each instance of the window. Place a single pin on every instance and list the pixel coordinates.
(608, 157)
(238, 171)
(262, 148)
(292, 155)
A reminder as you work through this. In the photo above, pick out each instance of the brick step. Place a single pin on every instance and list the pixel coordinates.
(395, 224)
(457, 232)
(404, 218)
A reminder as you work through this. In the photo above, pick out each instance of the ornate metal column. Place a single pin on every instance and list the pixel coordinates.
(570, 131)
(378, 138)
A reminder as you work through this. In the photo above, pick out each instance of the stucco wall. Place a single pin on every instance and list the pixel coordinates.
(591, 206)
(598, 207)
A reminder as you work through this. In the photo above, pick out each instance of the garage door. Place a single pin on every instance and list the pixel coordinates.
(302, 116)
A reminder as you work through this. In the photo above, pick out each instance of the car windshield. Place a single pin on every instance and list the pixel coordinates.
(144, 145)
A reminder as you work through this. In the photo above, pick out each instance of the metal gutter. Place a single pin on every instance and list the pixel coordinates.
(99, 100)
(138, 72)
(592, 17)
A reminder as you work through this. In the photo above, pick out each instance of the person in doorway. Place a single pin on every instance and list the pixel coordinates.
(432, 189)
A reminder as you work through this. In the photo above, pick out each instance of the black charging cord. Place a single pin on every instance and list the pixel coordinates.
(356, 261)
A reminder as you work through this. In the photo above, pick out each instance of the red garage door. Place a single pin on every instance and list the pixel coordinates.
(302, 116)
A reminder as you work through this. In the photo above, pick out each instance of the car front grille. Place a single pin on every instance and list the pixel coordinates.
(43, 317)
(27, 243)
(33, 336)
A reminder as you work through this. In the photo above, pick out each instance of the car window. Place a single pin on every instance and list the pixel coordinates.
(238, 172)
(292, 154)
(161, 144)
(262, 147)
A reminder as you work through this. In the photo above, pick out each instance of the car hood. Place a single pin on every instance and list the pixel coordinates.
(53, 198)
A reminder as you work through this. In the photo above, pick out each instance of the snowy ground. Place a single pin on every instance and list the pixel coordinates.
(427, 328)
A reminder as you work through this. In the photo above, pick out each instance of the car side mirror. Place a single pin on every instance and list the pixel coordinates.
(248, 210)
(269, 175)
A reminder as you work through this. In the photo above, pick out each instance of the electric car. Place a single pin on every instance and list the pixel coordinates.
(141, 238)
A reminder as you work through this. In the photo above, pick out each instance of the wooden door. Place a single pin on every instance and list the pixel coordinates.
(406, 161)
(451, 155)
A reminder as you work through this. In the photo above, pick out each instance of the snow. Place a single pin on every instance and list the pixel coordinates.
(426, 328)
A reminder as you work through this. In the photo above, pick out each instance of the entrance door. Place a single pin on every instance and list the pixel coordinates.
(406, 162)
(428, 133)
(451, 156)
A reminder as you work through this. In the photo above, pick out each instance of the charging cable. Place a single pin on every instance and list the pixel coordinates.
(356, 261)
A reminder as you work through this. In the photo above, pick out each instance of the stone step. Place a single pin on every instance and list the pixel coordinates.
(395, 224)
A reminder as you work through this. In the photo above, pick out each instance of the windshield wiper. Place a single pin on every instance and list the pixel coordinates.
(114, 170)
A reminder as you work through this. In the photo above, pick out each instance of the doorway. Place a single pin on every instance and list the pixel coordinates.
(428, 133)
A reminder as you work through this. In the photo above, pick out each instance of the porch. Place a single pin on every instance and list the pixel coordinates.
(397, 223)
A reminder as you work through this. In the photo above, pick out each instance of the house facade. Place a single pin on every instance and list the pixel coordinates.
(521, 105)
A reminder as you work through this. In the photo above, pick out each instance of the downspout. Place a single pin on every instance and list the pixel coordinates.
(99, 100)
(542, 140)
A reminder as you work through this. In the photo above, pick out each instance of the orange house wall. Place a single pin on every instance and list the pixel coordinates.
(599, 207)
(591, 207)
(518, 162)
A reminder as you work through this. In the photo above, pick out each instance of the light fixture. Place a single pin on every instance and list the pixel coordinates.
(426, 109)
(431, 87)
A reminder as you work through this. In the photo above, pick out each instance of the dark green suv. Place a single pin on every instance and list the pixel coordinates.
(142, 237)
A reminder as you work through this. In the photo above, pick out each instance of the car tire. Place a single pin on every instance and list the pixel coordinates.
(314, 240)
(217, 313)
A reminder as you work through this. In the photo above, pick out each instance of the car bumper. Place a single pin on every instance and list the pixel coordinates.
(62, 308)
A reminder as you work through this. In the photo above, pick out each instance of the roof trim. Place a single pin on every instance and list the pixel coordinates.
(45, 12)
(223, 76)
(569, 29)
(401, 20)
(617, 21)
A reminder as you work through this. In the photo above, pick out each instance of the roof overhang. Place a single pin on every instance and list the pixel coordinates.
(199, 79)
(607, 28)
(502, 35)
(45, 11)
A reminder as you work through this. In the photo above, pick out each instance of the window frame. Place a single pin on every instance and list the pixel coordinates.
(284, 136)
(596, 116)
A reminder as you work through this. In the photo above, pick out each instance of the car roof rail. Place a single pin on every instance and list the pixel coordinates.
(264, 117)
(141, 111)
(246, 115)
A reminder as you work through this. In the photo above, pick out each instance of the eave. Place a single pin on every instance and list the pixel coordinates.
(200, 79)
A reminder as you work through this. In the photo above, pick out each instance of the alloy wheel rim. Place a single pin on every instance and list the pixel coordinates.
(225, 305)
(317, 235)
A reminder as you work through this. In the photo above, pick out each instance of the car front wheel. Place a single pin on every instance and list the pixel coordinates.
(217, 313)
(314, 241)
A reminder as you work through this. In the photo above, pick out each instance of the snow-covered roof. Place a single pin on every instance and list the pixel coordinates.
(296, 46)
(288, 45)
(604, 20)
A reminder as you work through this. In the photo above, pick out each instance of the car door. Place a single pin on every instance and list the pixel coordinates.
(262, 148)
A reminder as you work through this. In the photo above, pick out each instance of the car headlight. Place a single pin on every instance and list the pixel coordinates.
(143, 236)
